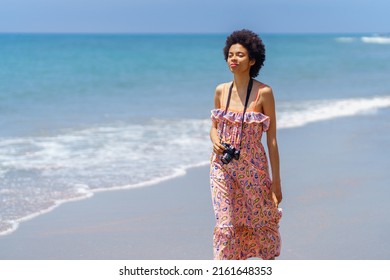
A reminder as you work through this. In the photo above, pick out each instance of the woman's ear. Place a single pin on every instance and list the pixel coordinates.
(252, 62)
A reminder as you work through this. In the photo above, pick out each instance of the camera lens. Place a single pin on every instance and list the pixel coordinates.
(226, 158)
(228, 154)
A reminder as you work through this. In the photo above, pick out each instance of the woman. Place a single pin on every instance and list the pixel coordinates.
(245, 199)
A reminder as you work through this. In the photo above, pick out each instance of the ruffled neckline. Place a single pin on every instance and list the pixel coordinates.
(236, 117)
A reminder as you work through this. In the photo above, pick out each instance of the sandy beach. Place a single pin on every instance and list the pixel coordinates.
(335, 186)
(170, 220)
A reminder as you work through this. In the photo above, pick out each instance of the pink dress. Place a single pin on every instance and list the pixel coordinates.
(247, 220)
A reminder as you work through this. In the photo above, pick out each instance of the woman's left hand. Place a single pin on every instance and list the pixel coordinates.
(276, 193)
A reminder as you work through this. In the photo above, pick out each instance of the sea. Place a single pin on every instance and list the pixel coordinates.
(85, 113)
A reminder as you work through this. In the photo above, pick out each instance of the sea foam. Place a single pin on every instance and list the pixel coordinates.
(376, 39)
(321, 110)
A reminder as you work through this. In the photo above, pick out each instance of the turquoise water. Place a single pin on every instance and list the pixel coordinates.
(83, 113)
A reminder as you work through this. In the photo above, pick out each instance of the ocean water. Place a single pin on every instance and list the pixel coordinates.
(87, 113)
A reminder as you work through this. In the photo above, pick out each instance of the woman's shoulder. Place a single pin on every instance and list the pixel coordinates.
(262, 86)
(264, 96)
(263, 90)
(221, 88)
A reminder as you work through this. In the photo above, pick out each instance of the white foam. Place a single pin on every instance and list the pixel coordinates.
(315, 111)
(376, 39)
(87, 193)
(6, 191)
(14, 224)
(45, 170)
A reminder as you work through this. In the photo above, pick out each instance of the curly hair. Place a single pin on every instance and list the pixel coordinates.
(254, 45)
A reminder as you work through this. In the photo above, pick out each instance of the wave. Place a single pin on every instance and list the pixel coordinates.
(39, 173)
(315, 111)
(365, 39)
(376, 39)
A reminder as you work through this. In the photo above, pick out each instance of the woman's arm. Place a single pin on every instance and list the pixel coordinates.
(217, 146)
(268, 105)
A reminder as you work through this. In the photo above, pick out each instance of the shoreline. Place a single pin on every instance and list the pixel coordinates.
(85, 222)
(91, 192)
(328, 208)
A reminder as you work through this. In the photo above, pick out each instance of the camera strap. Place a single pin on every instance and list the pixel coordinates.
(248, 93)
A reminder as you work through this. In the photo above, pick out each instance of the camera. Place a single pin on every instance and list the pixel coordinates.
(229, 153)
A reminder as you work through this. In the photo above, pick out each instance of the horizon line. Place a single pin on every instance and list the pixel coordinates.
(174, 33)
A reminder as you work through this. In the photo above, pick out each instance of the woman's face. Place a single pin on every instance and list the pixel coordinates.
(238, 59)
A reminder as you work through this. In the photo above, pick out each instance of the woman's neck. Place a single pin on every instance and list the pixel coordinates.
(241, 82)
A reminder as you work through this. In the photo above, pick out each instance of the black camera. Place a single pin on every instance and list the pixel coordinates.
(229, 153)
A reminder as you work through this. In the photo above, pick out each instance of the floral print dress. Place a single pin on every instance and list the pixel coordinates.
(247, 220)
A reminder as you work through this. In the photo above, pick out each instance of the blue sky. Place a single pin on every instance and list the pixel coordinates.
(195, 16)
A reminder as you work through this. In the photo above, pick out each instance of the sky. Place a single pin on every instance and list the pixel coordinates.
(194, 16)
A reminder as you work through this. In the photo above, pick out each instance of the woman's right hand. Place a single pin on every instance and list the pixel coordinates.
(218, 148)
